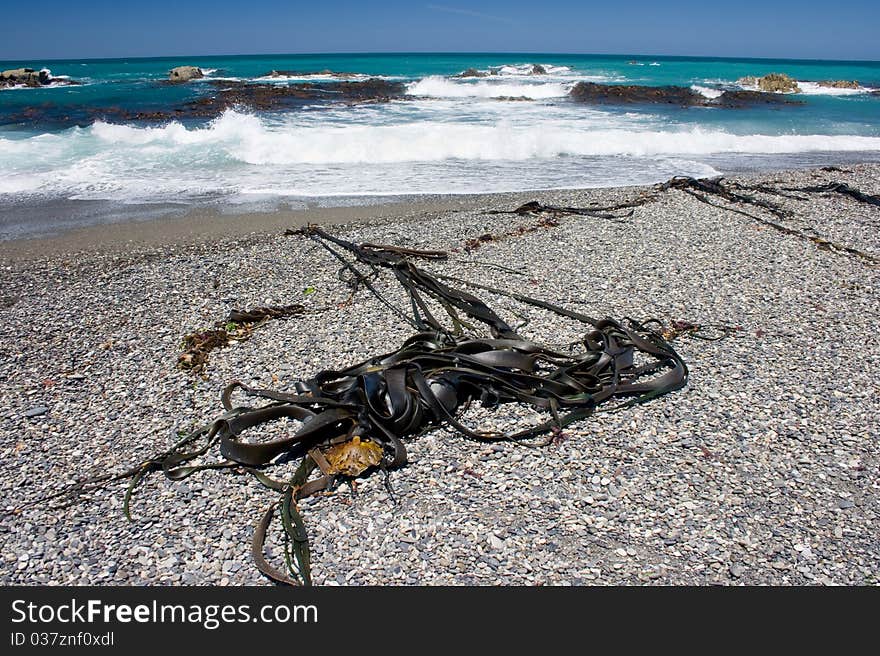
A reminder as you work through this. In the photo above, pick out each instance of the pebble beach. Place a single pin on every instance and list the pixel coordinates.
(763, 470)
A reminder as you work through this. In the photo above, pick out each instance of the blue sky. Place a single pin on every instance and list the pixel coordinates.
(747, 28)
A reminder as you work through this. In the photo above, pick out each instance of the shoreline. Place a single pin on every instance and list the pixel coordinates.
(760, 471)
(200, 225)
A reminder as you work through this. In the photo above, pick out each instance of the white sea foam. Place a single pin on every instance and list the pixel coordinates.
(318, 77)
(59, 82)
(526, 69)
(707, 92)
(247, 138)
(441, 87)
(815, 89)
(376, 153)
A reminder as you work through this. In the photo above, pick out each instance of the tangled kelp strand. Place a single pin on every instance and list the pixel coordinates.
(733, 193)
(702, 188)
(353, 422)
(841, 188)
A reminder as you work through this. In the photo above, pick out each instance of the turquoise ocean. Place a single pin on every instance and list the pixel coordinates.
(69, 156)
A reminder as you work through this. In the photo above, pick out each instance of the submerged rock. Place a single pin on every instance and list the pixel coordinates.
(771, 83)
(228, 94)
(740, 99)
(278, 96)
(267, 96)
(618, 94)
(621, 94)
(185, 73)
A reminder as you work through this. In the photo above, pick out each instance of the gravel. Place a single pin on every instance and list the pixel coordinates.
(764, 470)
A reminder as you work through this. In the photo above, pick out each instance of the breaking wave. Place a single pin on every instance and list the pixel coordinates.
(441, 87)
(318, 77)
(515, 70)
(815, 89)
(707, 92)
(236, 145)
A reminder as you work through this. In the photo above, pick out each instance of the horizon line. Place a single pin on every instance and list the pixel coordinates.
(442, 52)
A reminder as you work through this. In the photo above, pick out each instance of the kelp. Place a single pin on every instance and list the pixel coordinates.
(703, 188)
(237, 327)
(736, 195)
(354, 421)
(535, 207)
(844, 189)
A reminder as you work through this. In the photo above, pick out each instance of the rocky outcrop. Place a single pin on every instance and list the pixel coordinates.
(185, 73)
(472, 72)
(840, 84)
(278, 96)
(771, 83)
(28, 77)
(626, 94)
(227, 94)
(537, 69)
(742, 99)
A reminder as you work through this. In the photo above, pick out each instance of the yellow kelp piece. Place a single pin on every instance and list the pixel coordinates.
(354, 457)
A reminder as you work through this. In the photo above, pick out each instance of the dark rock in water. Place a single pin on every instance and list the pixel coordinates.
(537, 69)
(274, 96)
(185, 73)
(622, 94)
(740, 99)
(227, 95)
(270, 96)
(472, 72)
(28, 77)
